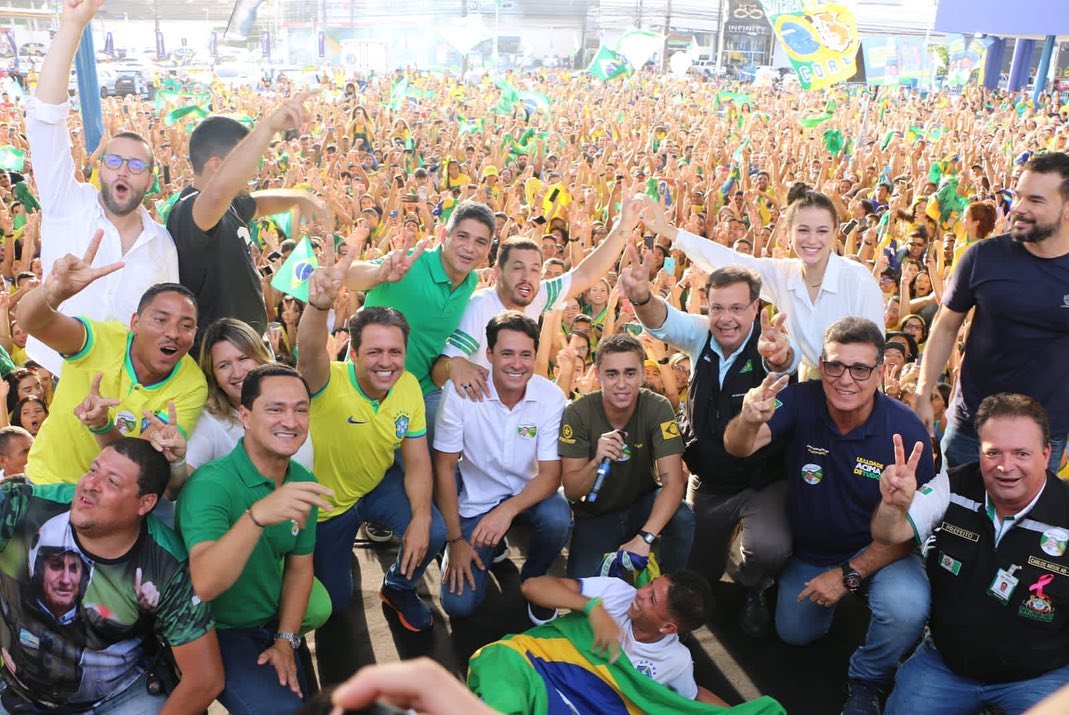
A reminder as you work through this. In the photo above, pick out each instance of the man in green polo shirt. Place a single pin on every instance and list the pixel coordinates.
(248, 521)
(431, 289)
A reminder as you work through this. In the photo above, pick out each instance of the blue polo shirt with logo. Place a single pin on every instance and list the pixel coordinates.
(833, 480)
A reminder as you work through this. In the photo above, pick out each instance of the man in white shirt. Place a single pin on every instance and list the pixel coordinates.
(518, 287)
(510, 471)
(645, 622)
(74, 211)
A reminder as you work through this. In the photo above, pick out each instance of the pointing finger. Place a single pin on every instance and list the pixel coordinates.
(137, 579)
(915, 456)
(779, 321)
(766, 324)
(172, 413)
(105, 270)
(900, 451)
(94, 387)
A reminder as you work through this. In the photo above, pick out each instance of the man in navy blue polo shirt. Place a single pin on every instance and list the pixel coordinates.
(1019, 336)
(838, 438)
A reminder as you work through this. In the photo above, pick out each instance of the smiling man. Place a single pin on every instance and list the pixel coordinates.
(510, 471)
(999, 528)
(137, 370)
(633, 430)
(363, 412)
(838, 438)
(731, 351)
(74, 211)
(1018, 337)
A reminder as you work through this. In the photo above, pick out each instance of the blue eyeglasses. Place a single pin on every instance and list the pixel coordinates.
(135, 165)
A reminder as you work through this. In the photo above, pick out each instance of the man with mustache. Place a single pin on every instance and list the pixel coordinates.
(74, 211)
(1019, 336)
(117, 381)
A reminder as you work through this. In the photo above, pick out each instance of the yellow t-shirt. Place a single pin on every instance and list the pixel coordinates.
(18, 355)
(355, 437)
(64, 447)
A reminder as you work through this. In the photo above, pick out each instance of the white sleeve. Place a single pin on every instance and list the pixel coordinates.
(549, 431)
(50, 149)
(710, 255)
(200, 449)
(554, 290)
(681, 681)
(930, 502)
(449, 424)
(870, 299)
(616, 596)
(469, 335)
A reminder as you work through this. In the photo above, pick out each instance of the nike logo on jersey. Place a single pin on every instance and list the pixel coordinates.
(356, 422)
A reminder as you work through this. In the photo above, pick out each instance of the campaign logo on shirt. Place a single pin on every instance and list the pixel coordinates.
(625, 453)
(527, 431)
(125, 421)
(1053, 541)
(867, 468)
(748, 367)
(812, 473)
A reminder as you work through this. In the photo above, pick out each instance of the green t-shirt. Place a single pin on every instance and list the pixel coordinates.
(427, 299)
(76, 645)
(211, 502)
(652, 433)
(7, 365)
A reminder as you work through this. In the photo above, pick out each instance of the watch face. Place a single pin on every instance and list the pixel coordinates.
(852, 581)
(648, 538)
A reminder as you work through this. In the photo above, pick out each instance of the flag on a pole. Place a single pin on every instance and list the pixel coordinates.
(292, 277)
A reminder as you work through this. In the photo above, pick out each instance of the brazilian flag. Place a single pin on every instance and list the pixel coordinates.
(554, 670)
(292, 277)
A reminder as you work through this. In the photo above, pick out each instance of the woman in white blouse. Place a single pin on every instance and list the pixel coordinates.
(229, 351)
(814, 290)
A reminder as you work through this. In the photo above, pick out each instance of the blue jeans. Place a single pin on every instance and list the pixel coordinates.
(898, 598)
(252, 689)
(595, 536)
(385, 504)
(133, 700)
(925, 686)
(960, 448)
(551, 524)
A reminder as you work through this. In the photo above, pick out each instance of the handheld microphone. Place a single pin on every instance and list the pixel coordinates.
(603, 471)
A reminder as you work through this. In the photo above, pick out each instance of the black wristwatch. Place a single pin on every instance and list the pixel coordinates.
(648, 537)
(851, 578)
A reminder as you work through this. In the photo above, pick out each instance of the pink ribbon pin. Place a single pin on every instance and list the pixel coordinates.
(1040, 584)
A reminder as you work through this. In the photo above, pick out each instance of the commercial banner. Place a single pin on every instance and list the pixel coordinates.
(895, 60)
(820, 39)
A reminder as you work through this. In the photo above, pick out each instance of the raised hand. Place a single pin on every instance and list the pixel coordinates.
(396, 264)
(79, 11)
(634, 281)
(292, 114)
(760, 402)
(898, 483)
(655, 218)
(773, 344)
(70, 274)
(93, 410)
(165, 437)
(148, 596)
(630, 212)
(328, 279)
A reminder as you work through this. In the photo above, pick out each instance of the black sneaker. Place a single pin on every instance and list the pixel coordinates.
(377, 533)
(753, 618)
(502, 553)
(863, 697)
(540, 615)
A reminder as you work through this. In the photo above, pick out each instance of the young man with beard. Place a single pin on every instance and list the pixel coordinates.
(117, 382)
(731, 351)
(75, 211)
(838, 435)
(510, 471)
(363, 412)
(641, 498)
(518, 287)
(1019, 335)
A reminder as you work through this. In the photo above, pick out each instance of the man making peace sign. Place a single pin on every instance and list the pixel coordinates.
(140, 369)
(838, 439)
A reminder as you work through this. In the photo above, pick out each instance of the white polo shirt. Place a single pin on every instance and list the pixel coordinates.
(469, 339)
(501, 446)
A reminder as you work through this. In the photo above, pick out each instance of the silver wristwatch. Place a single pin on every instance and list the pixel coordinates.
(293, 638)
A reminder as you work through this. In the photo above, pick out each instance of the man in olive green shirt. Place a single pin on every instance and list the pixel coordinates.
(248, 521)
(640, 500)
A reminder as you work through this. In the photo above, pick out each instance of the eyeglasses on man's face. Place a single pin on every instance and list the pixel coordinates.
(135, 165)
(735, 309)
(858, 371)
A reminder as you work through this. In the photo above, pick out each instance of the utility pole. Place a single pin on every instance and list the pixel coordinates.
(667, 32)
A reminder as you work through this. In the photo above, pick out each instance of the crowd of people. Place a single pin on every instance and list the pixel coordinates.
(676, 328)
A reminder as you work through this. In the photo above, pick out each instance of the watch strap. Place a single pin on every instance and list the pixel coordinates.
(648, 537)
(293, 638)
